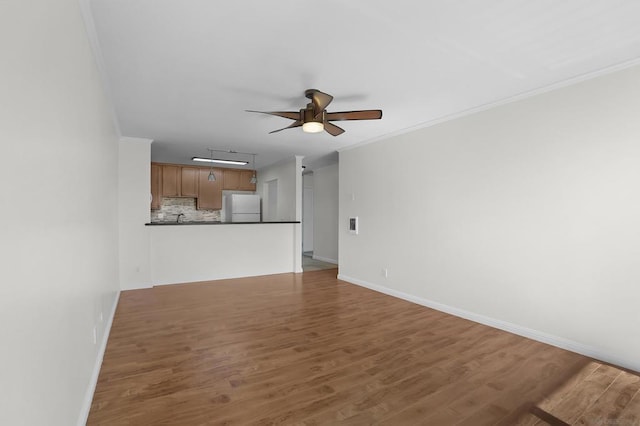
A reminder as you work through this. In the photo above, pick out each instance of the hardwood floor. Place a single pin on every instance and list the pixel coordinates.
(309, 349)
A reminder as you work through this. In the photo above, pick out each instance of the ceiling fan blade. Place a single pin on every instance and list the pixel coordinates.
(332, 129)
(370, 114)
(320, 100)
(291, 115)
(296, 123)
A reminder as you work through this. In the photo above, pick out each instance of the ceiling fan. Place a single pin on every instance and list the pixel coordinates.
(314, 117)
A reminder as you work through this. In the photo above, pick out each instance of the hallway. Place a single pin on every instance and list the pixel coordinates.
(311, 264)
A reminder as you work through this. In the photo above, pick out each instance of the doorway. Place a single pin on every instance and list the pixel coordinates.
(310, 261)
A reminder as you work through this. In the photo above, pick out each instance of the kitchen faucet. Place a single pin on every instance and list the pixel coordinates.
(181, 215)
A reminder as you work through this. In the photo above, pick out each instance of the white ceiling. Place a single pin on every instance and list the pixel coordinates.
(183, 72)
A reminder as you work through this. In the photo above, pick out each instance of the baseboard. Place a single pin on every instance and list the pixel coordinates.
(325, 259)
(88, 398)
(529, 333)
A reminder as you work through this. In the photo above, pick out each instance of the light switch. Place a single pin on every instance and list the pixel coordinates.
(353, 225)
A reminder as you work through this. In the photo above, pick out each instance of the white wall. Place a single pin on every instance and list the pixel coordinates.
(289, 176)
(326, 213)
(134, 188)
(285, 172)
(190, 253)
(58, 221)
(297, 244)
(526, 216)
(307, 212)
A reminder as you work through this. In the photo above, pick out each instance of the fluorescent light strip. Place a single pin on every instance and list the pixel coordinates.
(216, 160)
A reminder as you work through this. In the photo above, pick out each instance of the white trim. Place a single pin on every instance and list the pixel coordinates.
(528, 94)
(88, 397)
(325, 259)
(530, 333)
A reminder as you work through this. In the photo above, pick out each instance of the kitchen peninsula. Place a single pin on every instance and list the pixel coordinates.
(217, 250)
(191, 239)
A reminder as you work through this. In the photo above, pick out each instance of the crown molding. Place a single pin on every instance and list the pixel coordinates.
(521, 96)
(92, 35)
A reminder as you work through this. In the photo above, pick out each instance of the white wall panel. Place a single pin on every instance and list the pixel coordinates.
(527, 213)
(134, 189)
(59, 217)
(188, 253)
(326, 213)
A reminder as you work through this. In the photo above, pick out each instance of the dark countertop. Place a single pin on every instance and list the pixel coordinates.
(213, 223)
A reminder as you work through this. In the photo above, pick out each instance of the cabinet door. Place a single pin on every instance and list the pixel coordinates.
(209, 193)
(189, 181)
(245, 181)
(231, 179)
(156, 193)
(171, 181)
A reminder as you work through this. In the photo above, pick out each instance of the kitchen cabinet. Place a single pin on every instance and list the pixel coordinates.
(171, 180)
(238, 180)
(245, 180)
(178, 181)
(231, 179)
(189, 181)
(209, 193)
(156, 191)
(174, 180)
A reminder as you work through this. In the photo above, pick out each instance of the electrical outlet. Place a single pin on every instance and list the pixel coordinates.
(95, 335)
(101, 316)
(385, 272)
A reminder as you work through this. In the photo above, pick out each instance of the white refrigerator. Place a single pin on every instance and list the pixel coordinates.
(242, 208)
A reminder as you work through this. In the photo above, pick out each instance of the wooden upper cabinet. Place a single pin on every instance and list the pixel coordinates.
(239, 180)
(171, 180)
(245, 181)
(231, 179)
(209, 193)
(156, 188)
(174, 180)
(178, 181)
(189, 182)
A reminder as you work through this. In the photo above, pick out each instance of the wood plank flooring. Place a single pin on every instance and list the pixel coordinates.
(308, 349)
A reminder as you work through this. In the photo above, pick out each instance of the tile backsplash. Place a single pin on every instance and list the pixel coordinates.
(172, 207)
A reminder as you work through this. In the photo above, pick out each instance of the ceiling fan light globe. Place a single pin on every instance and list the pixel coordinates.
(312, 127)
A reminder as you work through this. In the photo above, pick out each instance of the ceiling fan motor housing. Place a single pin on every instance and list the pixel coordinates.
(308, 115)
